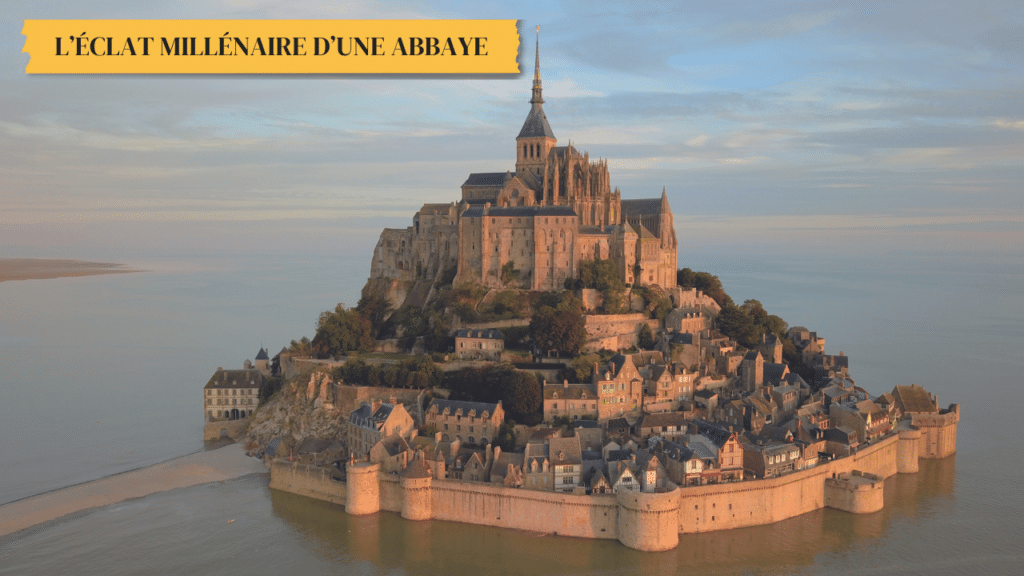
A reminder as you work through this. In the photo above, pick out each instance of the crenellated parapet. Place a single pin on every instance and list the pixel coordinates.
(855, 492)
(938, 431)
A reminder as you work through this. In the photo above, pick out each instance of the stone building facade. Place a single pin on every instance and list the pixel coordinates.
(555, 210)
(471, 422)
(479, 344)
(372, 422)
(232, 394)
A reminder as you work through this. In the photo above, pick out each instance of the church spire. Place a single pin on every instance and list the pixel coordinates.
(536, 125)
(537, 99)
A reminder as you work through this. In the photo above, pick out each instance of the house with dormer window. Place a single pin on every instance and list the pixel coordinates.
(619, 386)
(574, 401)
(468, 422)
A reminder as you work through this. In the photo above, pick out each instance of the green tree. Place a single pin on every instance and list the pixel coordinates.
(736, 323)
(302, 347)
(376, 308)
(645, 339)
(581, 368)
(521, 394)
(269, 387)
(506, 438)
(775, 325)
(342, 331)
(705, 282)
(563, 329)
(509, 273)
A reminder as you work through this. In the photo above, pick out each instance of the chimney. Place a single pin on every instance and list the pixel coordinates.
(565, 383)
(497, 452)
(374, 405)
(392, 400)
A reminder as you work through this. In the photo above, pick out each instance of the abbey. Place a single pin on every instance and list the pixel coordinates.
(531, 228)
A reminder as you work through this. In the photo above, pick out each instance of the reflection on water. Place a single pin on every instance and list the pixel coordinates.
(387, 541)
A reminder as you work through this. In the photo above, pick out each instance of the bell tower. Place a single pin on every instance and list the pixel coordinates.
(536, 138)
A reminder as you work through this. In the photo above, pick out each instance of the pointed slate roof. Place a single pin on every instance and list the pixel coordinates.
(536, 125)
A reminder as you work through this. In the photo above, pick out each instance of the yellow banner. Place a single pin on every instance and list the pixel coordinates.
(271, 46)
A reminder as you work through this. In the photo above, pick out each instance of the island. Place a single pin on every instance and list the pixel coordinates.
(530, 357)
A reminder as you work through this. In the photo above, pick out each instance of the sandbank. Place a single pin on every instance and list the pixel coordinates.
(44, 269)
(199, 468)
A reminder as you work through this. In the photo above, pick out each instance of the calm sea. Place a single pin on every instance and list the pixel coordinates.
(103, 374)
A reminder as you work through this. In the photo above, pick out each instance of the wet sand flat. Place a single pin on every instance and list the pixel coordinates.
(200, 468)
(43, 269)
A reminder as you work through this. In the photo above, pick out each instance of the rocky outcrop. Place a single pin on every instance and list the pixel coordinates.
(304, 408)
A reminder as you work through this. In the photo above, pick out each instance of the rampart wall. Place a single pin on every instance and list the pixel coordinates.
(312, 481)
(753, 503)
(644, 521)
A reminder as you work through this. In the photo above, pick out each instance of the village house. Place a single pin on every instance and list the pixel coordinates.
(468, 422)
(624, 475)
(536, 467)
(662, 424)
(771, 348)
(371, 422)
(507, 468)
(725, 442)
(566, 462)
(479, 344)
(807, 343)
(769, 458)
(687, 465)
(574, 401)
(864, 417)
(619, 387)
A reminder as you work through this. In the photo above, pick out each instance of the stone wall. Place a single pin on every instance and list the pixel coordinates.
(856, 492)
(312, 481)
(638, 520)
(757, 502)
(938, 432)
(544, 512)
(497, 324)
(615, 331)
(231, 428)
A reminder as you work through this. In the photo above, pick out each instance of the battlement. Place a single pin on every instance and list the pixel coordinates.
(856, 492)
(641, 520)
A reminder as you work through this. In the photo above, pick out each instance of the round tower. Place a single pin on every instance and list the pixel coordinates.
(907, 448)
(416, 497)
(362, 493)
(648, 521)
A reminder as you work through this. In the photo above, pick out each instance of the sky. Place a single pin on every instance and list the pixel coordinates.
(792, 125)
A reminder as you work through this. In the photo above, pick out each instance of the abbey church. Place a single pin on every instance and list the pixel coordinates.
(531, 228)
